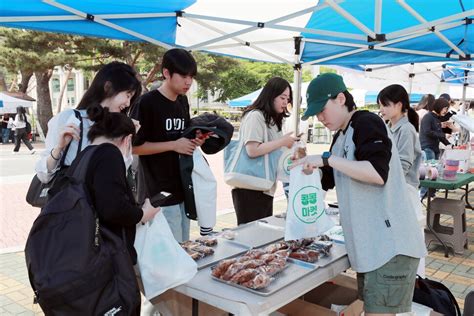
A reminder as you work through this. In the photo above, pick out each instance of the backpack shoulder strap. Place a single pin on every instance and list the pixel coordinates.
(81, 127)
(80, 170)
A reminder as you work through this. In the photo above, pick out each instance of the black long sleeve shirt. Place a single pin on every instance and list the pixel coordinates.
(431, 133)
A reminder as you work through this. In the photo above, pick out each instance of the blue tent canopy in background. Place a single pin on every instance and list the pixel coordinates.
(458, 73)
(371, 97)
(245, 100)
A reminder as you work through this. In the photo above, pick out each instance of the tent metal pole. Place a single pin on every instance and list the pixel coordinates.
(436, 32)
(410, 79)
(281, 40)
(240, 41)
(349, 17)
(107, 23)
(51, 18)
(321, 60)
(310, 40)
(378, 17)
(317, 32)
(430, 24)
(415, 52)
(253, 25)
(297, 74)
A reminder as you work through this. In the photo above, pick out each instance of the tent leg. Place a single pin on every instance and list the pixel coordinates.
(297, 85)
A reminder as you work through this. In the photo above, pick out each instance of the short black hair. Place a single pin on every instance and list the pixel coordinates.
(178, 60)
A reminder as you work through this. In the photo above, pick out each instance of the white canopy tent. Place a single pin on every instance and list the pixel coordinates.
(9, 104)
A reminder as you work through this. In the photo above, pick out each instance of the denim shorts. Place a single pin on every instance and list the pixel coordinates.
(389, 289)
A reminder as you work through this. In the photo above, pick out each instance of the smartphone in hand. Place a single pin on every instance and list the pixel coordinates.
(158, 199)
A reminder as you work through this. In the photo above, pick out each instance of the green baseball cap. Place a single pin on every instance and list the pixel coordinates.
(320, 90)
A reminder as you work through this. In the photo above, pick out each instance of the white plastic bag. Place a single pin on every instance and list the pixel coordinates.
(205, 190)
(163, 264)
(306, 216)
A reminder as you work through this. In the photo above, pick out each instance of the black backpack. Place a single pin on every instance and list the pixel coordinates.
(75, 265)
(435, 295)
(28, 127)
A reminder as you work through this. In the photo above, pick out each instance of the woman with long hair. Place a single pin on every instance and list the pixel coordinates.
(403, 122)
(263, 120)
(114, 87)
(425, 105)
(21, 133)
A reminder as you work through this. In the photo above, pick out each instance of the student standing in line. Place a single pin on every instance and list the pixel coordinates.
(107, 184)
(164, 115)
(114, 87)
(263, 117)
(403, 123)
(381, 233)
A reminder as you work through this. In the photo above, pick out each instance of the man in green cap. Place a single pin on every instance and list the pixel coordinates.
(382, 237)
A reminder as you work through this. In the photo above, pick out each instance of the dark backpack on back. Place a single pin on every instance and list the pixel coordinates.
(435, 295)
(28, 127)
(75, 265)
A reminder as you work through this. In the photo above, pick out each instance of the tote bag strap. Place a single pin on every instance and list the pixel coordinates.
(240, 147)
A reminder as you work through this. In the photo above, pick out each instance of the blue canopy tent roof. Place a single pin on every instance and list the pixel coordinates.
(389, 32)
(145, 20)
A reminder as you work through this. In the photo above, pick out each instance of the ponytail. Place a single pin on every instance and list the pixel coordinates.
(413, 118)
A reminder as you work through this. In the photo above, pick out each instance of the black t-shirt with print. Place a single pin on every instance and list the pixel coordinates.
(161, 120)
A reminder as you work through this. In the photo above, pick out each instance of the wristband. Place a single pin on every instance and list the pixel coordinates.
(54, 158)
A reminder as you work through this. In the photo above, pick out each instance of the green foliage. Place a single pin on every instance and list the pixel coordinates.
(324, 69)
(35, 51)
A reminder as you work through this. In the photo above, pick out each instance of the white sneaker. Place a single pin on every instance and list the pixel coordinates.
(15, 152)
(32, 152)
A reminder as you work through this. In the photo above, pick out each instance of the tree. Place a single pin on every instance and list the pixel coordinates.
(31, 52)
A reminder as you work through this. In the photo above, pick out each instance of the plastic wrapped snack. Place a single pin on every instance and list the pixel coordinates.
(260, 281)
(208, 241)
(222, 267)
(232, 270)
(243, 276)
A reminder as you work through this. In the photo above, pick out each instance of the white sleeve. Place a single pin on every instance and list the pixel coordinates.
(52, 138)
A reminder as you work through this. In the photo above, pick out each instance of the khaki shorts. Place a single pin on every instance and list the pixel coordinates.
(389, 289)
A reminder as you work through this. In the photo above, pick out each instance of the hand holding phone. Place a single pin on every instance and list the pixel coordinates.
(158, 199)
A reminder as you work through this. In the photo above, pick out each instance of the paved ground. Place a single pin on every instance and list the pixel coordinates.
(16, 217)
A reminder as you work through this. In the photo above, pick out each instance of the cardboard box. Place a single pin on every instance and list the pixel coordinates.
(340, 291)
